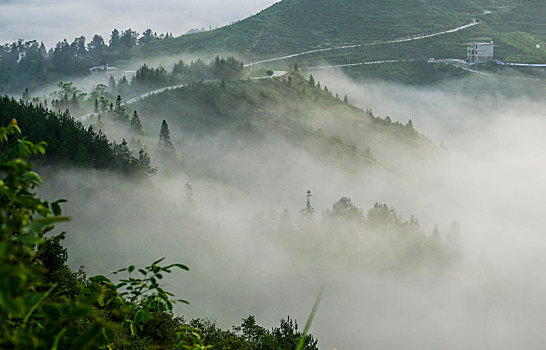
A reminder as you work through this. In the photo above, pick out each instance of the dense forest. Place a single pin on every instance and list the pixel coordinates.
(70, 143)
(29, 64)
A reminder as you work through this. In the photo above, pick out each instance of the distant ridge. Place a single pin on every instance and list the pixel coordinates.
(295, 25)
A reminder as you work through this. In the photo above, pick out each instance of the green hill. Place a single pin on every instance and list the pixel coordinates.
(306, 116)
(528, 17)
(296, 25)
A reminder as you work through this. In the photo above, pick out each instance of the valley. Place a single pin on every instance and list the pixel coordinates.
(323, 174)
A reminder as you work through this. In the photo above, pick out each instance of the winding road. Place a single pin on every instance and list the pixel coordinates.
(134, 99)
(83, 118)
(280, 73)
(420, 37)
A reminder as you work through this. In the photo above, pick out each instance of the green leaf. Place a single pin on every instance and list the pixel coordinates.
(180, 266)
(133, 328)
(57, 339)
(32, 177)
(56, 207)
(301, 343)
(36, 304)
(145, 316)
(28, 239)
(100, 279)
(41, 225)
(157, 261)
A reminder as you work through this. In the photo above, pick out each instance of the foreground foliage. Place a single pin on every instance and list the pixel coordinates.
(44, 305)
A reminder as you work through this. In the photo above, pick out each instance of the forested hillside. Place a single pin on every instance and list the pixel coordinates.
(70, 143)
(302, 111)
(29, 64)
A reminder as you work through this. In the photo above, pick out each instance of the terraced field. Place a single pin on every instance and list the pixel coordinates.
(363, 28)
(529, 17)
(295, 25)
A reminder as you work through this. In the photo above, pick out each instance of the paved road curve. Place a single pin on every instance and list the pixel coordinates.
(367, 44)
(83, 118)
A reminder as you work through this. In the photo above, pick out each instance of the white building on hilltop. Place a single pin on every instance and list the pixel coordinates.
(479, 52)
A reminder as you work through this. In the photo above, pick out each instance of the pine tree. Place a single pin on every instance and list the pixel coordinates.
(165, 144)
(318, 85)
(145, 164)
(119, 111)
(346, 100)
(136, 126)
(123, 85)
(311, 81)
(114, 39)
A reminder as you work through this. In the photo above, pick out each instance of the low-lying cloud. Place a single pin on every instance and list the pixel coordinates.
(491, 180)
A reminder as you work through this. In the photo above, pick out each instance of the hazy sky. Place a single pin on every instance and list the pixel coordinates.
(54, 20)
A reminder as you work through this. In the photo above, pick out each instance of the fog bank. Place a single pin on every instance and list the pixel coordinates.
(490, 181)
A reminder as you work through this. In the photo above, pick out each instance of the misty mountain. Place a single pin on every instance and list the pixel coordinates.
(335, 32)
(301, 112)
(352, 32)
(292, 25)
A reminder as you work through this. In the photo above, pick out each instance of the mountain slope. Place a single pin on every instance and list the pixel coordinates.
(528, 17)
(297, 26)
(288, 107)
(292, 25)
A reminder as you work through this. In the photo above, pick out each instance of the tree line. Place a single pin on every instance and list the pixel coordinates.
(398, 245)
(148, 77)
(29, 64)
(69, 142)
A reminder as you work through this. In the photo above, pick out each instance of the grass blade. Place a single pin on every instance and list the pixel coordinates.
(310, 319)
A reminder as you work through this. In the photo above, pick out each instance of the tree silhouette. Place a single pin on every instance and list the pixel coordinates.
(311, 81)
(165, 144)
(136, 126)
